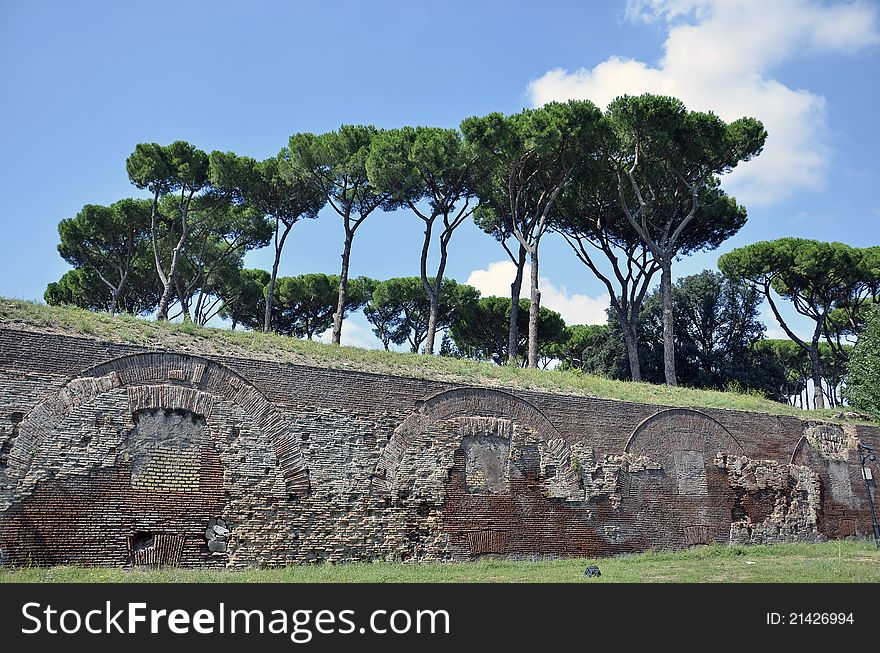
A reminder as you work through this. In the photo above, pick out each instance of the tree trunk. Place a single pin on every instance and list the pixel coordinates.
(343, 290)
(533, 310)
(270, 298)
(668, 335)
(432, 293)
(169, 281)
(432, 322)
(513, 328)
(184, 302)
(630, 338)
(162, 311)
(818, 395)
(117, 292)
(270, 290)
(164, 301)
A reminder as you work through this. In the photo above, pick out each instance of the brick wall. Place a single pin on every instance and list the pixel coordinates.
(115, 455)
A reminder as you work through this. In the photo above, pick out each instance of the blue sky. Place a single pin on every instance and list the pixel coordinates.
(84, 82)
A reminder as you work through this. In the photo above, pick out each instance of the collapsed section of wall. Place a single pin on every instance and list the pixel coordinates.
(111, 455)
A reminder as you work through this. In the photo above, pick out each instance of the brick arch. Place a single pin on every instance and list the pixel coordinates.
(468, 402)
(681, 422)
(830, 451)
(165, 380)
(829, 441)
(686, 499)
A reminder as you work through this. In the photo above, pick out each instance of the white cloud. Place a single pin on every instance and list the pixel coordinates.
(574, 308)
(717, 56)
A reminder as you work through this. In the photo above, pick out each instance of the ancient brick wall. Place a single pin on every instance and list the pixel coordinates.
(116, 455)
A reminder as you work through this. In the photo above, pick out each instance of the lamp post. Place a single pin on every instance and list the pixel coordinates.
(866, 455)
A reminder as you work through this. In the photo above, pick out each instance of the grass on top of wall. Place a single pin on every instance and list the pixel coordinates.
(189, 338)
(827, 562)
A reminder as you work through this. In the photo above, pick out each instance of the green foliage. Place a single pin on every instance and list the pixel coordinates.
(697, 144)
(790, 368)
(399, 309)
(214, 252)
(244, 296)
(81, 287)
(415, 163)
(78, 288)
(110, 246)
(717, 322)
(791, 359)
(528, 158)
(525, 159)
(105, 237)
(336, 164)
(482, 331)
(847, 319)
(862, 389)
(717, 329)
(186, 204)
(829, 283)
(639, 183)
(593, 348)
(208, 211)
(178, 167)
(270, 188)
(673, 157)
(815, 276)
(589, 207)
(304, 305)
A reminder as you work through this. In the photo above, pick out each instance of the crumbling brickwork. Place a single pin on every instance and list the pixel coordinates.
(115, 455)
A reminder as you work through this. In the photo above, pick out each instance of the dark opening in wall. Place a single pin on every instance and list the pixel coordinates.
(141, 541)
(153, 549)
(6, 445)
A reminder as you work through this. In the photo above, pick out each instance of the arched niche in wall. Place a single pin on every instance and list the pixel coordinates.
(128, 462)
(680, 497)
(161, 382)
(830, 450)
(495, 470)
(486, 421)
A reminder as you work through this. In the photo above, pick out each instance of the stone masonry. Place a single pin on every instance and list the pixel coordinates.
(116, 455)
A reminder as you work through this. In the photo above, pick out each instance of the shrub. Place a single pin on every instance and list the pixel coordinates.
(862, 389)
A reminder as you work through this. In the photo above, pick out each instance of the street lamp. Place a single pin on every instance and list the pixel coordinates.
(866, 455)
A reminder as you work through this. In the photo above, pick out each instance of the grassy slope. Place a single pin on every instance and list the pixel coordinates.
(245, 344)
(828, 562)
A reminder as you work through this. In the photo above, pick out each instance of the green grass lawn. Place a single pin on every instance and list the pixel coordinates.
(828, 562)
(253, 345)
